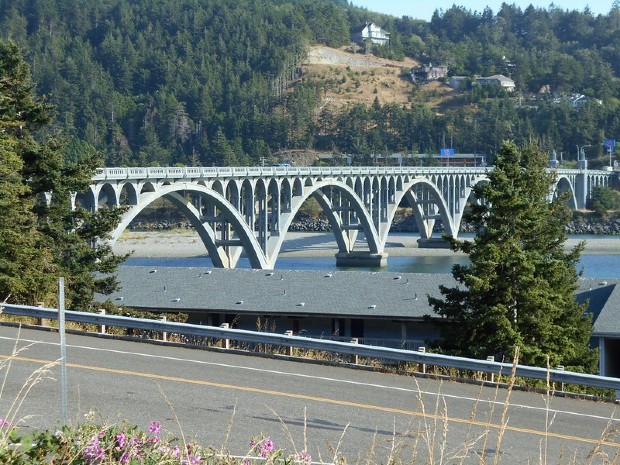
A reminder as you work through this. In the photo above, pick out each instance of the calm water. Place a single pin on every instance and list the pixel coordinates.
(594, 266)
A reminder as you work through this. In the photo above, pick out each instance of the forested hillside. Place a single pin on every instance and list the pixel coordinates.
(212, 82)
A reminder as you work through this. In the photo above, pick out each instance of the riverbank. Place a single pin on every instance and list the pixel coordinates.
(179, 243)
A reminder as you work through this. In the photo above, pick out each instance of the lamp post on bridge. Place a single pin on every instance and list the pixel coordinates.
(582, 163)
(610, 145)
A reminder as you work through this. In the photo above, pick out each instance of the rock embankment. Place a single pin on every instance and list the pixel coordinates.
(579, 225)
(589, 225)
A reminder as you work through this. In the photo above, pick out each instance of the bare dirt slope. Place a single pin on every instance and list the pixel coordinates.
(358, 78)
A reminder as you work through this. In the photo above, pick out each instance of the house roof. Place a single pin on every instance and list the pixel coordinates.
(334, 294)
(604, 304)
(496, 77)
(369, 24)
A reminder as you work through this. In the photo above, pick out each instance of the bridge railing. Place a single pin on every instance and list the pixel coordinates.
(173, 172)
(356, 350)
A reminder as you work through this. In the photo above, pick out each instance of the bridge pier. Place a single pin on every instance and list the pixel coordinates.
(433, 243)
(365, 259)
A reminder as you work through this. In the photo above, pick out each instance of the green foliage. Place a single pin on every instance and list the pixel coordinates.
(90, 443)
(310, 209)
(43, 237)
(604, 199)
(518, 289)
(26, 264)
(206, 83)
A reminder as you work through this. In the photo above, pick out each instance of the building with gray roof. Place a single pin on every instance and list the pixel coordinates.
(383, 308)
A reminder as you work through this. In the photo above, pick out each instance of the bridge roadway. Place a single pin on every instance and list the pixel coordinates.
(250, 209)
(365, 416)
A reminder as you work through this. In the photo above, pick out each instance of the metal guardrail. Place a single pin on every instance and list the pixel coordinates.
(359, 350)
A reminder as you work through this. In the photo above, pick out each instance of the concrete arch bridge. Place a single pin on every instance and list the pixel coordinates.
(250, 209)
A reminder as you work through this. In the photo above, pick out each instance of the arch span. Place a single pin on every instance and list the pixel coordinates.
(344, 210)
(224, 254)
(428, 205)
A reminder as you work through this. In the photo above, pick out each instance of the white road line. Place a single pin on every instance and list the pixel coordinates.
(321, 378)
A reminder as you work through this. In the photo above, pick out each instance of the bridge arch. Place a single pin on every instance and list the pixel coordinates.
(219, 252)
(563, 185)
(129, 194)
(427, 204)
(344, 232)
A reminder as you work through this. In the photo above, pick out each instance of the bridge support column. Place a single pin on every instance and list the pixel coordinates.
(581, 190)
(366, 259)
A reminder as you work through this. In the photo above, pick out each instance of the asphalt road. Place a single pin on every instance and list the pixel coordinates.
(224, 400)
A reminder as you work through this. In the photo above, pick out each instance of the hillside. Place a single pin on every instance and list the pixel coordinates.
(197, 82)
(355, 78)
(358, 78)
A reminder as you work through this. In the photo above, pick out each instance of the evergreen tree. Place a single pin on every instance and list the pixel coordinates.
(518, 289)
(26, 265)
(43, 236)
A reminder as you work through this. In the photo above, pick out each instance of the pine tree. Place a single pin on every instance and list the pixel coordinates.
(26, 264)
(518, 289)
(43, 237)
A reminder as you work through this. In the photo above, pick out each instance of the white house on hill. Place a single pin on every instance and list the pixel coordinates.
(372, 32)
(497, 80)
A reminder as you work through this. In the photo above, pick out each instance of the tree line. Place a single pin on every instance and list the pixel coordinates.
(201, 83)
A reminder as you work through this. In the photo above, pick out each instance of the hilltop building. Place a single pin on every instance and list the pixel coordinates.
(429, 73)
(497, 80)
(372, 32)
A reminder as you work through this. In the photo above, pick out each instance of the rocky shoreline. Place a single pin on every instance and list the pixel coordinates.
(581, 224)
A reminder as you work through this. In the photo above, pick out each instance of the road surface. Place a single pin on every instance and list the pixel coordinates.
(224, 400)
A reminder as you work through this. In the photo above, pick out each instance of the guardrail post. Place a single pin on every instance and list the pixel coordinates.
(225, 342)
(422, 365)
(289, 348)
(164, 335)
(561, 368)
(356, 358)
(491, 375)
(102, 328)
(63, 349)
(43, 321)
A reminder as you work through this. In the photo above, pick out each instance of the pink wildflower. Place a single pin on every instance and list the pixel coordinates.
(154, 427)
(121, 440)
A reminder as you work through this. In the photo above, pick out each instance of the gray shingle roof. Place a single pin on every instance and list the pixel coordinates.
(381, 295)
(604, 303)
(335, 293)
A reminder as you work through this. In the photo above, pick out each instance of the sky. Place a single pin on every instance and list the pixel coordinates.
(420, 9)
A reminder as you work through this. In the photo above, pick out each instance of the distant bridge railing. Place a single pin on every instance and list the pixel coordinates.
(177, 172)
(286, 340)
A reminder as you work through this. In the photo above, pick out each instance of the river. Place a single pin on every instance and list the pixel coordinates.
(595, 264)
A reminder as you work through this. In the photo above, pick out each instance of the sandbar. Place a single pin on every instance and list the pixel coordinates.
(180, 243)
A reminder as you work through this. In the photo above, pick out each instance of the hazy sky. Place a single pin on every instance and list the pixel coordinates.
(421, 9)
